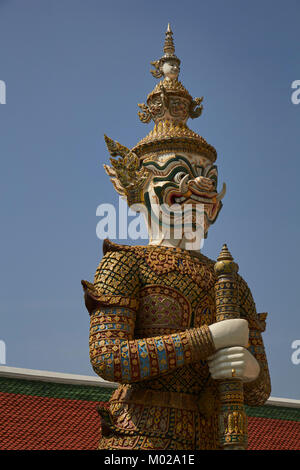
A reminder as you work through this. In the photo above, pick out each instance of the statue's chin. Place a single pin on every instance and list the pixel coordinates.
(171, 76)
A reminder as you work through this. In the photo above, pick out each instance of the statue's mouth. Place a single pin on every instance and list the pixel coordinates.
(189, 194)
(193, 195)
(211, 200)
(210, 203)
(191, 198)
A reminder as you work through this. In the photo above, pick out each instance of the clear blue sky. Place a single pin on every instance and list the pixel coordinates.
(76, 69)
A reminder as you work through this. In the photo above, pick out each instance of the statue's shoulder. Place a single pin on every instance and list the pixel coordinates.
(117, 272)
(118, 261)
(206, 263)
(205, 259)
(116, 280)
(248, 307)
(111, 247)
(116, 250)
(116, 255)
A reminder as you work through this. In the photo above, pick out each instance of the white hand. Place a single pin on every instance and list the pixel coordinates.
(238, 358)
(226, 333)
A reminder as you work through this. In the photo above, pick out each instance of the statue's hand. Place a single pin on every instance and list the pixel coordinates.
(228, 333)
(222, 363)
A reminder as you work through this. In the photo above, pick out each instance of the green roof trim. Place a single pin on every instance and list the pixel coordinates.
(274, 412)
(55, 390)
(95, 393)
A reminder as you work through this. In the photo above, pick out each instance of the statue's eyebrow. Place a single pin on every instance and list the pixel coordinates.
(171, 174)
(178, 158)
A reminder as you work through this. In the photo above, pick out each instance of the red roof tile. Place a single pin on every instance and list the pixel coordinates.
(38, 415)
(29, 422)
(43, 423)
(273, 434)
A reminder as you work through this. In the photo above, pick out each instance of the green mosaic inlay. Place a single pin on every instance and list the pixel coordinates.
(92, 393)
(55, 390)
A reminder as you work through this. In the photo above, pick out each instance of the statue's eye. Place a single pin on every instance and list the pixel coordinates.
(214, 180)
(178, 177)
(212, 173)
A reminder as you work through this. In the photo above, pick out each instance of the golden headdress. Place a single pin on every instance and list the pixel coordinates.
(169, 105)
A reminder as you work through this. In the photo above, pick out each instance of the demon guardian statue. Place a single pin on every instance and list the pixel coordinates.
(179, 333)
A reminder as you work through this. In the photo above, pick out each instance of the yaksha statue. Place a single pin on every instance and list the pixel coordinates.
(178, 332)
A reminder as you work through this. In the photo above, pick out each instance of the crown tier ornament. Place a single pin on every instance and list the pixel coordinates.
(170, 105)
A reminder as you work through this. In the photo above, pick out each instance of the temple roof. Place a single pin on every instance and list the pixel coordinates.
(53, 411)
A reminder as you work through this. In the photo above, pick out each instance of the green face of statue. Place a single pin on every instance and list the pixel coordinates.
(183, 183)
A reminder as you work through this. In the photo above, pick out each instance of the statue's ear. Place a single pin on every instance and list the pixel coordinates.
(157, 73)
(126, 173)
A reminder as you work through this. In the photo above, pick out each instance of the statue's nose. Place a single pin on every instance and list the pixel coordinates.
(204, 183)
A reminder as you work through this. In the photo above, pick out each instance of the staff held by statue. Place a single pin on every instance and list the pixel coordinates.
(232, 417)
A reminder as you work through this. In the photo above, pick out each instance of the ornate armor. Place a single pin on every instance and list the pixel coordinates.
(150, 307)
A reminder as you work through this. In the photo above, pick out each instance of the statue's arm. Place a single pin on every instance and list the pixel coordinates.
(257, 391)
(113, 303)
(116, 356)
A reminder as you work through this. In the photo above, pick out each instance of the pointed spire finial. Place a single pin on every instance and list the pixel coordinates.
(169, 48)
(225, 254)
(169, 56)
(225, 263)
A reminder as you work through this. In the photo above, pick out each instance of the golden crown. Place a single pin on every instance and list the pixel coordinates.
(169, 105)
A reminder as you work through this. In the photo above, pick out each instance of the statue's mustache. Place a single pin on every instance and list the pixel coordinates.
(184, 187)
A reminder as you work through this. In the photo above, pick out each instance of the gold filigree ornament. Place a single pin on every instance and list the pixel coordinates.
(126, 173)
(196, 108)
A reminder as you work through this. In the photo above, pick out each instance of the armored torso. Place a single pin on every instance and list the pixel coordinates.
(170, 291)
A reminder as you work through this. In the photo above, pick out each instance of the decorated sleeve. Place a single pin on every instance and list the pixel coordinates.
(258, 391)
(116, 356)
